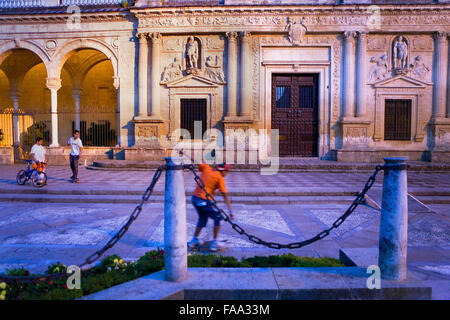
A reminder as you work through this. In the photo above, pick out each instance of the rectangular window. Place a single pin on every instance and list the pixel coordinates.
(283, 95)
(305, 96)
(193, 110)
(397, 120)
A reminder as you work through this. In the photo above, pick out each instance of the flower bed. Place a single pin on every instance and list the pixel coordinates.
(113, 271)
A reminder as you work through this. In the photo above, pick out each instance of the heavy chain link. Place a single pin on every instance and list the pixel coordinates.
(294, 245)
(95, 256)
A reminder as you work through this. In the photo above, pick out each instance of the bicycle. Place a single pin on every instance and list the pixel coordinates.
(37, 175)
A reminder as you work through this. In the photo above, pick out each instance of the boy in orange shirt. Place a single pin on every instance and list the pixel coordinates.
(213, 178)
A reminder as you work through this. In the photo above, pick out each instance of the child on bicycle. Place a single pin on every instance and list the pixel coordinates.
(38, 155)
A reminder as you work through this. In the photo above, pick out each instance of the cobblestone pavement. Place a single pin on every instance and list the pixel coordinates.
(37, 234)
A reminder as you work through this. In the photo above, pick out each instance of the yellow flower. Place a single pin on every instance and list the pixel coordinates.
(3, 285)
(115, 260)
(2, 297)
(3, 293)
(121, 261)
(189, 254)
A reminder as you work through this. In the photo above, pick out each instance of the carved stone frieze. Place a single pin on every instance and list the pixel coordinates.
(296, 30)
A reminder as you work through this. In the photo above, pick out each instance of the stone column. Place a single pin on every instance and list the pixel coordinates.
(76, 94)
(232, 74)
(246, 75)
(142, 74)
(155, 75)
(54, 84)
(175, 243)
(361, 84)
(394, 220)
(349, 75)
(440, 78)
(15, 96)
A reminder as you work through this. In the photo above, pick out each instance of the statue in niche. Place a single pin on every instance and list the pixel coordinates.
(380, 70)
(192, 55)
(296, 31)
(419, 70)
(400, 54)
(214, 69)
(173, 71)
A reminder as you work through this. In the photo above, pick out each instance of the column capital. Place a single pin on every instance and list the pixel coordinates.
(155, 37)
(77, 92)
(53, 83)
(116, 82)
(440, 36)
(142, 36)
(246, 35)
(15, 94)
(361, 35)
(348, 35)
(232, 36)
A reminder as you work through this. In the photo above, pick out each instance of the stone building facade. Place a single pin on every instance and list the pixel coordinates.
(340, 80)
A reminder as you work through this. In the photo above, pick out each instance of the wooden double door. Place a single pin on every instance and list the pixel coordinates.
(295, 113)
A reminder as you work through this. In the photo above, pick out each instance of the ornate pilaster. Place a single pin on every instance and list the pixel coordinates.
(142, 75)
(54, 84)
(440, 124)
(155, 75)
(440, 79)
(349, 75)
(246, 76)
(232, 74)
(361, 111)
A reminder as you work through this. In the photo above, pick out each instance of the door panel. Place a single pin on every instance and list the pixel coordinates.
(295, 113)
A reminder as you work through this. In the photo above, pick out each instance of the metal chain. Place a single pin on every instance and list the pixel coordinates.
(95, 256)
(294, 245)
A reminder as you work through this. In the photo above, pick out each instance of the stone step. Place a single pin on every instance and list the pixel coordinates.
(296, 165)
(254, 192)
(68, 198)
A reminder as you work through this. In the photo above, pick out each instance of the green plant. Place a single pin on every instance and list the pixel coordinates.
(39, 129)
(112, 270)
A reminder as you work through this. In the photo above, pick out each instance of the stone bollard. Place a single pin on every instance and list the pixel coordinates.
(394, 220)
(175, 243)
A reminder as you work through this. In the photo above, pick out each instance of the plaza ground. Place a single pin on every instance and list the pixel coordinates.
(67, 222)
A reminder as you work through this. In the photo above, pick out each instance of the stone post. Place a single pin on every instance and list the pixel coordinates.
(76, 94)
(440, 78)
(394, 220)
(155, 74)
(142, 74)
(54, 84)
(246, 75)
(232, 74)
(175, 243)
(349, 75)
(361, 86)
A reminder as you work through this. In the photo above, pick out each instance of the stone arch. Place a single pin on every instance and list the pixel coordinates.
(6, 49)
(64, 52)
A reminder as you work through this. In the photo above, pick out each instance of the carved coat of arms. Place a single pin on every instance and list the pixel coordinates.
(296, 31)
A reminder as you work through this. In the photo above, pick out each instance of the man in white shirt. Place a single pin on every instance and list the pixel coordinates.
(38, 151)
(75, 153)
